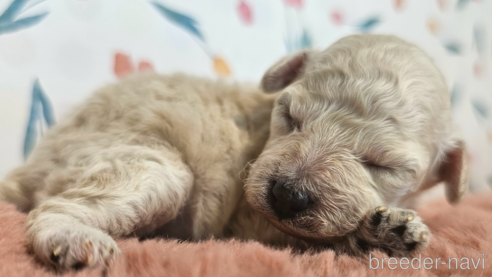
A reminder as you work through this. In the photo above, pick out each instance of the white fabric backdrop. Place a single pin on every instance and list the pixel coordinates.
(75, 46)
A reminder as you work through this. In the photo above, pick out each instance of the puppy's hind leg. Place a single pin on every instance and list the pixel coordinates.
(123, 191)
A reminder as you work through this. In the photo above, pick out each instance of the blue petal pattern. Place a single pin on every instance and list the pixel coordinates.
(31, 131)
(40, 108)
(367, 25)
(453, 47)
(479, 37)
(8, 22)
(21, 23)
(13, 10)
(461, 4)
(181, 20)
(45, 104)
(480, 109)
(304, 41)
(455, 95)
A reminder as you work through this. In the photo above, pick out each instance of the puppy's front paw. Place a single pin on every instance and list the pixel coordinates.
(74, 247)
(397, 231)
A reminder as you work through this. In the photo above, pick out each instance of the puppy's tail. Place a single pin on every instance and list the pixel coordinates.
(11, 192)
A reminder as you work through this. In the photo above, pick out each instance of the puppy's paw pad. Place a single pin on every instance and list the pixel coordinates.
(399, 231)
(75, 247)
(378, 215)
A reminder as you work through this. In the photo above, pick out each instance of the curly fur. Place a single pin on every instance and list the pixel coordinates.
(363, 123)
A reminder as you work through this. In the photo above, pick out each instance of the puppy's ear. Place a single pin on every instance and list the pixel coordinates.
(454, 173)
(285, 71)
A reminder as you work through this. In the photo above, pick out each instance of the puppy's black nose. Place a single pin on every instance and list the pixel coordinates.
(287, 202)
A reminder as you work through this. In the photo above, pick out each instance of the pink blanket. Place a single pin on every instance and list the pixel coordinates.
(463, 232)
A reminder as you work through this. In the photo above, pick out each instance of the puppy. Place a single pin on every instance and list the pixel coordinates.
(353, 132)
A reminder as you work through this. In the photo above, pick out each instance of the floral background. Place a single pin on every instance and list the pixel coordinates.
(54, 53)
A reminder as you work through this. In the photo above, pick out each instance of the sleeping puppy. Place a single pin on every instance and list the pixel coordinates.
(328, 161)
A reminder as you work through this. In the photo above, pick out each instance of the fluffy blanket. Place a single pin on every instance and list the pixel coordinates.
(463, 232)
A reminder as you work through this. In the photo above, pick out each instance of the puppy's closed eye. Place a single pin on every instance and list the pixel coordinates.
(289, 121)
(293, 124)
(371, 165)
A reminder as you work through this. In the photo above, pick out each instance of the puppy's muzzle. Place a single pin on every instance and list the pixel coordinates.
(288, 202)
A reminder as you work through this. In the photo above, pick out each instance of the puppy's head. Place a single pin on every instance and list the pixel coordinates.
(352, 129)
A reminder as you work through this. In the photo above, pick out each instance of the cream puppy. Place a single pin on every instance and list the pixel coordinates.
(353, 131)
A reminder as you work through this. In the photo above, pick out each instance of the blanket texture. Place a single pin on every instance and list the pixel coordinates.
(462, 232)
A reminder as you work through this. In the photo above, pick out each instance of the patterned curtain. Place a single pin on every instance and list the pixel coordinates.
(54, 53)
